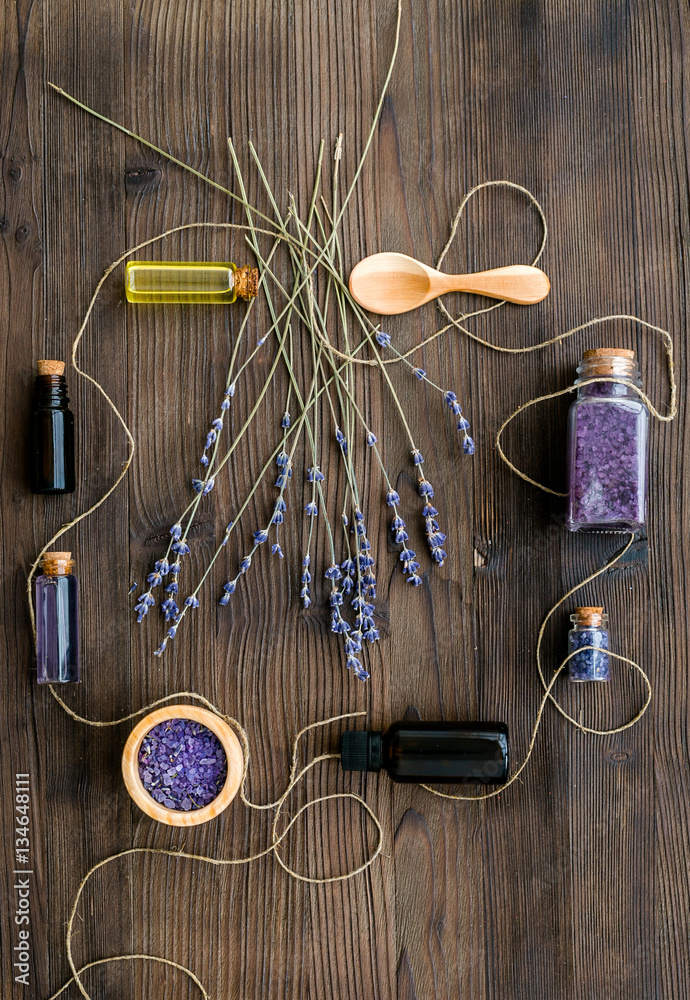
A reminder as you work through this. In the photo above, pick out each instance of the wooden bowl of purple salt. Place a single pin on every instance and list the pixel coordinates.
(182, 765)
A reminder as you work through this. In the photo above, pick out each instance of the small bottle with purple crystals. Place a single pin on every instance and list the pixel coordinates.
(608, 429)
(57, 620)
(589, 629)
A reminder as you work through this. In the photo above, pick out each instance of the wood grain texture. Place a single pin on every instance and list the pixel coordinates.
(572, 885)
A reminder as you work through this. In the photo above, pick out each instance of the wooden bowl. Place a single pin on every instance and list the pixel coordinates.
(177, 817)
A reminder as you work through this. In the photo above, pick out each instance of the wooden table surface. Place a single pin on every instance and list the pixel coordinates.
(572, 884)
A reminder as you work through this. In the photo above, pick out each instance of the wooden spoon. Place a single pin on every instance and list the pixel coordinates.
(388, 283)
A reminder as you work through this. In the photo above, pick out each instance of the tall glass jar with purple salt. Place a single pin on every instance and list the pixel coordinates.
(608, 431)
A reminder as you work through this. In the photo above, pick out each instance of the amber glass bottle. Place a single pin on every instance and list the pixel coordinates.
(431, 752)
(51, 432)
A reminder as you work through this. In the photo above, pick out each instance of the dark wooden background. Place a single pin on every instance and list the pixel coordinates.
(572, 885)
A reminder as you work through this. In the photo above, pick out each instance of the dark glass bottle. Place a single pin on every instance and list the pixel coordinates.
(57, 620)
(51, 432)
(431, 752)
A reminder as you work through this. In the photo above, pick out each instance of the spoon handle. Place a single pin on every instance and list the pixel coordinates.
(518, 283)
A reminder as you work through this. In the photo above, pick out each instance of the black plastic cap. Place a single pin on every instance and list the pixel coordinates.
(360, 751)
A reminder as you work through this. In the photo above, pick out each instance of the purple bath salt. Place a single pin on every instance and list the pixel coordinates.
(607, 446)
(182, 764)
(589, 629)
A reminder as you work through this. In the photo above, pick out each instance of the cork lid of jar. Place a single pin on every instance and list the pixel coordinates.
(51, 367)
(57, 563)
(589, 616)
(608, 352)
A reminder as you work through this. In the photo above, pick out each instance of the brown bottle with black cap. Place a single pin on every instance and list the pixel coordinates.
(51, 432)
(431, 752)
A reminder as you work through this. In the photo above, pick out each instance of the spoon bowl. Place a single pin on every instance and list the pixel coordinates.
(390, 283)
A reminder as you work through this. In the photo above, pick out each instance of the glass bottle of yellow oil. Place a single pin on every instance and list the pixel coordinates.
(189, 281)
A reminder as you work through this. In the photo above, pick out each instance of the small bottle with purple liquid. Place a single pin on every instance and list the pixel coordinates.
(589, 629)
(57, 620)
(608, 430)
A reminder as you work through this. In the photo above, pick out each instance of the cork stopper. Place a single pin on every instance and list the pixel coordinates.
(608, 352)
(57, 563)
(589, 617)
(51, 367)
(616, 361)
(246, 282)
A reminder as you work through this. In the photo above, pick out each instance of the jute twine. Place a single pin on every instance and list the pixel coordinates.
(295, 774)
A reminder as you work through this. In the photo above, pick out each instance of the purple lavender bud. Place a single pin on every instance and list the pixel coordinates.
(182, 549)
(439, 555)
(340, 438)
(425, 488)
(175, 568)
(172, 588)
(225, 599)
(352, 645)
(333, 573)
(133, 588)
(417, 457)
(245, 564)
(401, 536)
(282, 459)
(429, 511)
(210, 439)
(419, 373)
(161, 648)
(392, 498)
(456, 409)
(306, 576)
(230, 391)
(154, 579)
(345, 520)
(347, 585)
(449, 397)
(225, 405)
(209, 485)
(414, 580)
(197, 485)
(204, 460)
(281, 481)
(314, 475)
(192, 602)
(307, 559)
(463, 424)
(276, 550)
(260, 537)
(280, 504)
(229, 587)
(371, 439)
(163, 567)
(336, 598)
(365, 544)
(304, 596)
(176, 531)
(172, 631)
(468, 446)
(397, 523)
(278, 517)
(383, 339)
(348, 567)
(359, 516)
(407, 554)
(285, 422)
(372, 634)
(311, 509)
